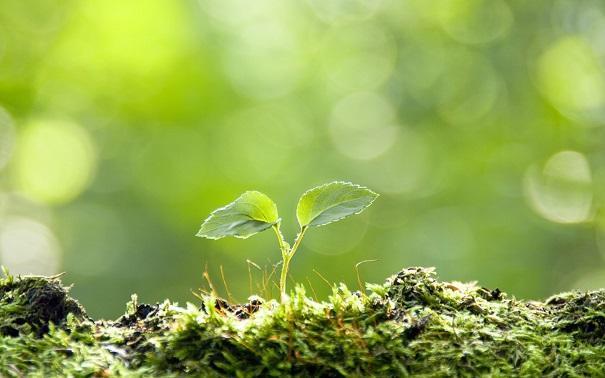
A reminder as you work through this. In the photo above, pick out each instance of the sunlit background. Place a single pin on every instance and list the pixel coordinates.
(123, 124)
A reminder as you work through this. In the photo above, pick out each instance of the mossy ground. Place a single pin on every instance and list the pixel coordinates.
(410, 325)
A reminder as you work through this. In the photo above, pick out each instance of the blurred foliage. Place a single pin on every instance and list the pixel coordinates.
(481, 123)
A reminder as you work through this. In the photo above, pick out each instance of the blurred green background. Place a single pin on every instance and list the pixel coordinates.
(123, 124)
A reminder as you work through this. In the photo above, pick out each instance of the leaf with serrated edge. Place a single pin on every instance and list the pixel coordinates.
(332, 202)
(250, 213)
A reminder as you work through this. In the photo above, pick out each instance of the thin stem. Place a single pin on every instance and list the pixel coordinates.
(284, 275)
(287, 256)
(280, 238)
(298, 240)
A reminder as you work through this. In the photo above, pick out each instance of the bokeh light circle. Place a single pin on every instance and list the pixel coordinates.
(571, 77)
(233, 14)
(475, 21)
(28, 246)
(333, 11)
(362, 126)
(407, 168)
(257, 144)
(54, 162)
(359, 57)
(274, 65)
(468, 88)
(561, 191)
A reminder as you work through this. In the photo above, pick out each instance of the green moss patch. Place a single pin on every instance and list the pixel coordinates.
(411, 325)
(31, 303)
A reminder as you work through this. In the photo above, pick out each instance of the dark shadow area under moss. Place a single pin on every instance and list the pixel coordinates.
(412, 324)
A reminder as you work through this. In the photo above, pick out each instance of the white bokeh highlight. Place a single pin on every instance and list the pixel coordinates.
(362, 126)
(28, 247)
(561, 191)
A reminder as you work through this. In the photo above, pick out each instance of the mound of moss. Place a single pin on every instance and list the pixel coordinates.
(410, 325)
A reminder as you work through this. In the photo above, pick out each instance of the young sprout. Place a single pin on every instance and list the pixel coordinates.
(253, 212)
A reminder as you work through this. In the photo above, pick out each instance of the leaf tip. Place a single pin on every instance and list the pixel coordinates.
(204, 235)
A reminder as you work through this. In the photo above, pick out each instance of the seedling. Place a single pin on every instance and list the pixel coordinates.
(253, 212)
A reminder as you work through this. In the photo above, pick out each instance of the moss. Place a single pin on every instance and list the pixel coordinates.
(31, 303)
(411, 325)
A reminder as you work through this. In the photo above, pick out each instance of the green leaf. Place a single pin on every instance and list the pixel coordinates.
(249, 214)
(331, 202)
